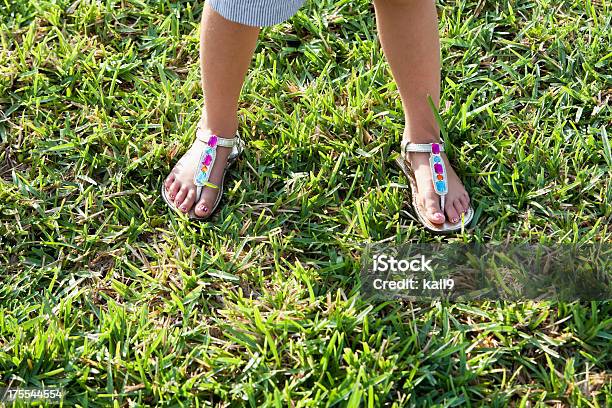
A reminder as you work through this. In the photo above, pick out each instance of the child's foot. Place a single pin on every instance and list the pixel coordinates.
(457, 200)
(180, 186)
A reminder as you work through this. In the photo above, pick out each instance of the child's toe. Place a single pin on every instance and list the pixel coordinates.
(432, 207)
(202, 208)
(174, 189)
(451, 211)
(187, 203)
(169, 180)
(460, 208)
(465, 201)
(180, 196)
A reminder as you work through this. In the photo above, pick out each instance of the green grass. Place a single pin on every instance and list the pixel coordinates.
(107, 293)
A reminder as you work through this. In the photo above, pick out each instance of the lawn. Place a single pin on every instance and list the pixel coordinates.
(105, 292)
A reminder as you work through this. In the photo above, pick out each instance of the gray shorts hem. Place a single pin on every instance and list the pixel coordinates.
(256, 13)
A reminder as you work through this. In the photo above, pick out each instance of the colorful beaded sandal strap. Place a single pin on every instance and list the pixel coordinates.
(436, 163)
(207, 159)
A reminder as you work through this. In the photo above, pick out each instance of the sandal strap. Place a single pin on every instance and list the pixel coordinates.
(208, 155)
(421, 147)
(220, 141)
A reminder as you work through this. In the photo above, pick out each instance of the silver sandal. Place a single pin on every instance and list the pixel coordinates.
(205, 165)
(440, 183)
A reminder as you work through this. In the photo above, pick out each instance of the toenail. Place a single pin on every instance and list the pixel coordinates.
(205, 209)
(172, 196)
(184, 208)
(455, 220)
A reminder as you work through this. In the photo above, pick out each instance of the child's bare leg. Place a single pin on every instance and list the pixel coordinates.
(408, 31)
(226, 49)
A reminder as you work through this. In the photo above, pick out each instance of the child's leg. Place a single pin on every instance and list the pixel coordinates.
(226, 49)
(408, 31)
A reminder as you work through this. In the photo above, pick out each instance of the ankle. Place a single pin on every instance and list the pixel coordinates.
(424, 136)
(225, 128)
